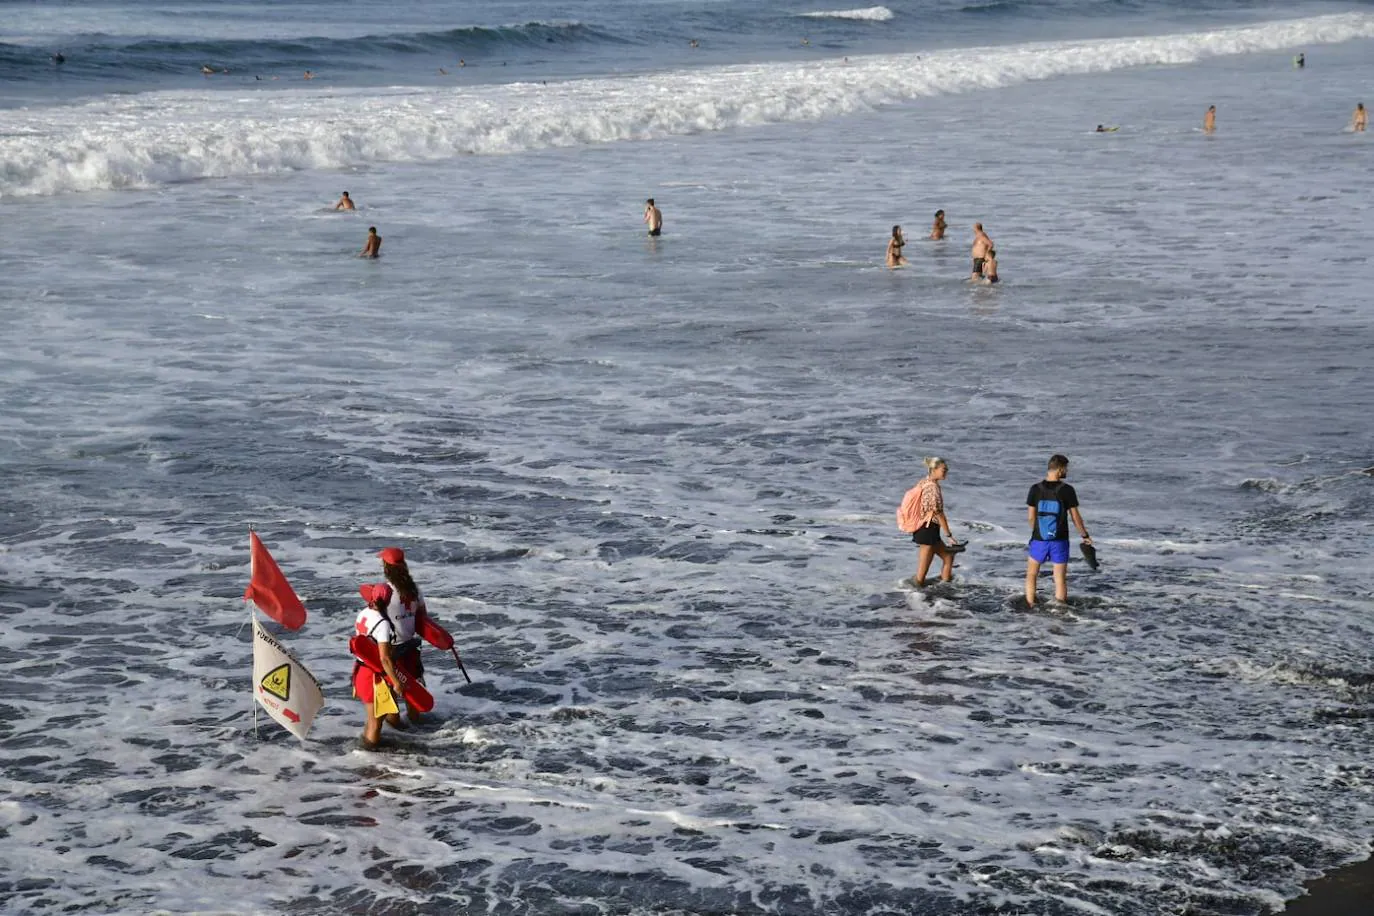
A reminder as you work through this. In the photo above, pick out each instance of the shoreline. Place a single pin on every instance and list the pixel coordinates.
(1347, 891)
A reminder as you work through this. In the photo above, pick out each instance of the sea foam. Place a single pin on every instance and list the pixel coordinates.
(156, 138)
(870, 14)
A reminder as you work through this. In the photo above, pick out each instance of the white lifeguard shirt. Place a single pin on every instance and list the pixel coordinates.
(403, 615)
(372, 623)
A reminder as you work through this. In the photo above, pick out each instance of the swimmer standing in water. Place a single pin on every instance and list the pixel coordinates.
(1361, 119)
(981, 246)
(345, 203)
(894, 248)
(990, 268)
(372, 248)
(1209, 120)
(937, 228)
(654, 217)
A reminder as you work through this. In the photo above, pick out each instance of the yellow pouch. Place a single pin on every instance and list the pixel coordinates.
(383, 703)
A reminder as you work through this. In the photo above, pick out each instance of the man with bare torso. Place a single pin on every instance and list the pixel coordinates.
(372, 248)
(1361, 119)
(1209, 120)
(981, 246)
(345, 202)
(654, 217)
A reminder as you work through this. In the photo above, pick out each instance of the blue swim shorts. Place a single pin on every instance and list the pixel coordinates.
(1054, 551)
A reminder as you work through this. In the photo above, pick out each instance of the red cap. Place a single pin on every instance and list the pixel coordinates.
(393, 556)
(371, 591)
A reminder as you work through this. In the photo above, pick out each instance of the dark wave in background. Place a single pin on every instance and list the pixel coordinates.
(104, 56)
(609, 35)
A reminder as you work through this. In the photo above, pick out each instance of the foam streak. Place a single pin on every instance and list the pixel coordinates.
(153, 139)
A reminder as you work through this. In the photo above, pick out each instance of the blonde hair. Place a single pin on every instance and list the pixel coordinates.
(933, 462)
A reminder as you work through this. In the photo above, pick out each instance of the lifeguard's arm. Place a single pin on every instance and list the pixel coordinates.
(384, 650)
(1078, 523)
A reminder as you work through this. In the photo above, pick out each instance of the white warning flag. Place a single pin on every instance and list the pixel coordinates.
(283, 686)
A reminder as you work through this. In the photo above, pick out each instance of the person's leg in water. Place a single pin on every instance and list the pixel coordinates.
(372, 727)
(1032, 573)
(947, 574)
(928, 554)
(1061, 582)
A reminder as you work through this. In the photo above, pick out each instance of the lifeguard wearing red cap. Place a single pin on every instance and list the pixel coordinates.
(374, 591)
(393, 556)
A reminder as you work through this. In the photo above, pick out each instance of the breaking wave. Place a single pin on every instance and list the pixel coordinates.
(868, 14)
(156, 138)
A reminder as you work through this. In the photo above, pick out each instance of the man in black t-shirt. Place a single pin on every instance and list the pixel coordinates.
(1050, 505)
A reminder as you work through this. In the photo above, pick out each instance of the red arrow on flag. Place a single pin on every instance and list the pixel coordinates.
(290, 715)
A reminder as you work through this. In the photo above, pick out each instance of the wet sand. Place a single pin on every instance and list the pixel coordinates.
(1346, 892)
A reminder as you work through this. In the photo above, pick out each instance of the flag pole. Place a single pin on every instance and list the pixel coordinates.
(251, 688)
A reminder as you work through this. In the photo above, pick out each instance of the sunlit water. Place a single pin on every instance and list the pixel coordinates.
(650, 487)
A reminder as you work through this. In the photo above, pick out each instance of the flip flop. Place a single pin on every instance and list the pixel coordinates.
(1089, 554)
(957, 546)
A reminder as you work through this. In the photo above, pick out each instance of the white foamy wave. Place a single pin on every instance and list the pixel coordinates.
(868, 14)
(153, 139)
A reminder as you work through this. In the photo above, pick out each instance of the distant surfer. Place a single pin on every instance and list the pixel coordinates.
(653, 217)
(923, 514)
(59, 58)
(405, 608)
(207, 69)
(1209, 120)
(372, 248)
(894, 248)
(346, 203)
(937, 228)
(1300, 61)
(309, 75)
(693, 43)
(375, 624)
(981, 246)
(1050, 505)
(1361, 119)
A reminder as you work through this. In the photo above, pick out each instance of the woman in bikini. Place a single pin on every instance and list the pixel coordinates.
(937, 228)
(894, 248)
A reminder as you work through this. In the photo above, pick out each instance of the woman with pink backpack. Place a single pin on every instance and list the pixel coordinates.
(922, 515)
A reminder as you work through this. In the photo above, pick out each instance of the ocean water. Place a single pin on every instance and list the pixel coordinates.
(649, 484)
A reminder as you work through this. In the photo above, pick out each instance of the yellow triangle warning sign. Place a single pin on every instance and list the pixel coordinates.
(278, 682)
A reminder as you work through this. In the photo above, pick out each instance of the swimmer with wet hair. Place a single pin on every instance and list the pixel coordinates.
(373, 247)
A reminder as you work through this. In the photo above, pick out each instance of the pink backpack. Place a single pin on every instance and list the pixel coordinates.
(909, 512)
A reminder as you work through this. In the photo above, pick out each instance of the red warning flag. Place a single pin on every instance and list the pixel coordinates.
(269, 589)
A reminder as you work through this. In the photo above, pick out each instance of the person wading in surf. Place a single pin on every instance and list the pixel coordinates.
(894, 248)
(404, 608)
(374, 623)
(653, 217)
(372, 248)
(922, 514)
(1050, 505)
(937, 228)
